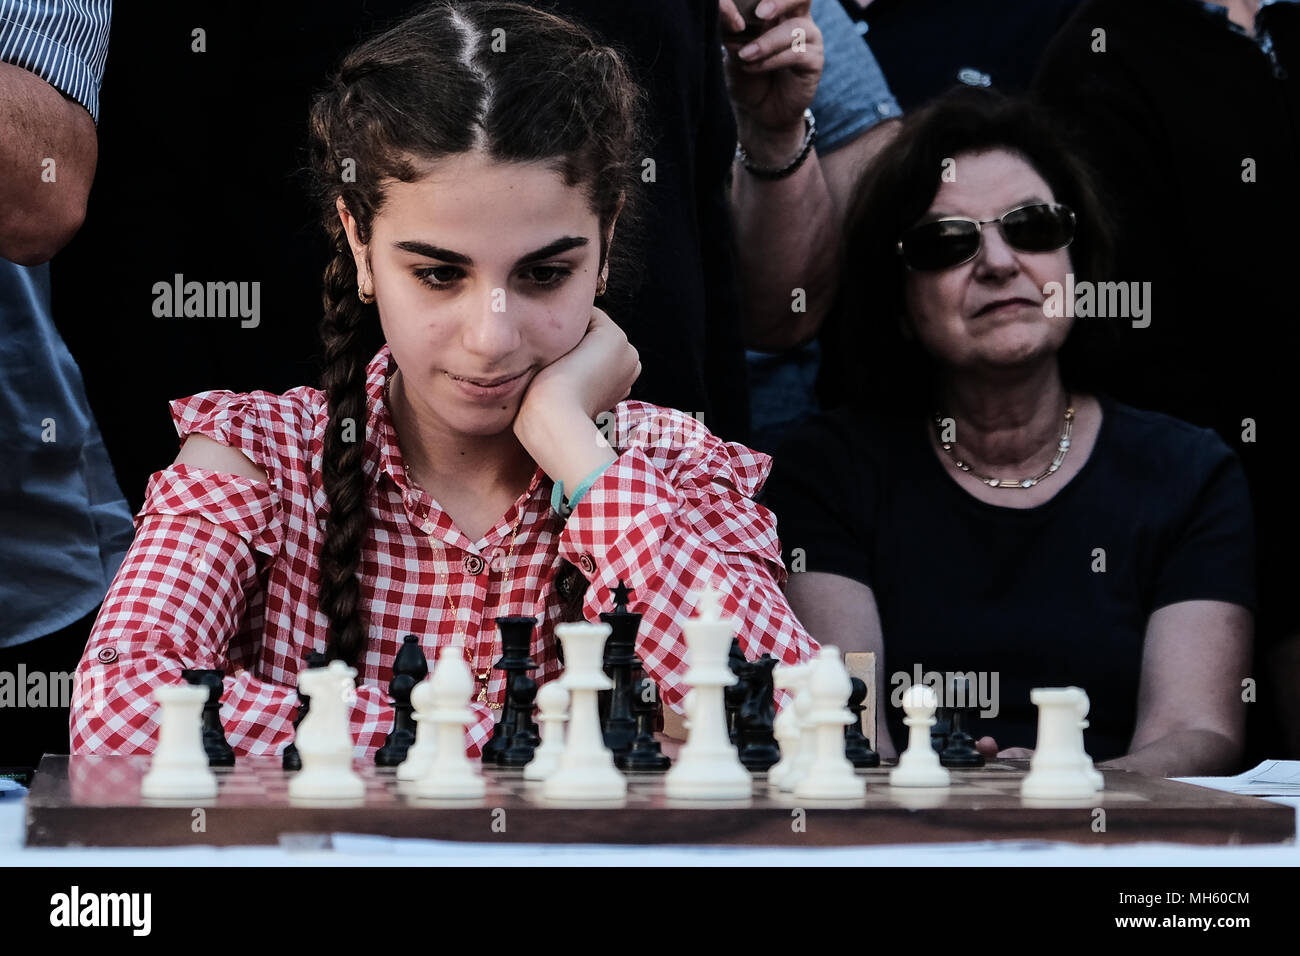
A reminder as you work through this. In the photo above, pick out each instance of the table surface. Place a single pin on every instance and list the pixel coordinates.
(344, 849)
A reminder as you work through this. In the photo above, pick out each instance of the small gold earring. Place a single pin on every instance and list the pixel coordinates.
(365, 297)
(600, 286)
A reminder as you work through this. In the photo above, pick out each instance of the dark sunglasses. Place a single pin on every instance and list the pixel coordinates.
(944, 243)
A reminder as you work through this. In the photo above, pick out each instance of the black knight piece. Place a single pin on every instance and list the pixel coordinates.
(644, 754)
(409, 668)
(215, 746)
(618, 725)
(516, 645)
(734, 696)
(960, 749)
(756, 715)
(856, 745)
(290, 760)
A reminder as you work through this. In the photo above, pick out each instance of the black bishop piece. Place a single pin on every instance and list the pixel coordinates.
(409, 668)
(515, 736)
(215, 746)
(290, 760)
(959, 749)
(619, 726)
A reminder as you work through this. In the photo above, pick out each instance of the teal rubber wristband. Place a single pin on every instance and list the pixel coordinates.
(564, 507)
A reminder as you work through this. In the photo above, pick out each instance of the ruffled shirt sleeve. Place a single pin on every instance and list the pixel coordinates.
(184, 589)
(674, 512)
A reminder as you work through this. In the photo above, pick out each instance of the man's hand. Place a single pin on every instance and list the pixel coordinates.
(772, 87)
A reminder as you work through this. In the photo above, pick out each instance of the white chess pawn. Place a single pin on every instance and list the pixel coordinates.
(179, 769)
(806, 749)
(708, 766)
(553, 714)
(786, 726)
(919, 765)
(586, 769)
(324, 740)
(420, 756)
(1060, 768)
(831, 775)
(451, 774)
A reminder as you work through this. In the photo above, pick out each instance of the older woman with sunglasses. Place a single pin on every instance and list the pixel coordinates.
(977, 506)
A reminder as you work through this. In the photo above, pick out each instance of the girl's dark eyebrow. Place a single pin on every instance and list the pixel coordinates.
(431, 251)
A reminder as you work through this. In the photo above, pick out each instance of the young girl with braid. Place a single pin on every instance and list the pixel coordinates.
(472, 163)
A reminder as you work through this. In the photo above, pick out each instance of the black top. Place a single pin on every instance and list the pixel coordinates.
(1205, 229)
(963, 585)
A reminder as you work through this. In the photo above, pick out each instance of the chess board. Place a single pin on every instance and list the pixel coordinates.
(91, 800)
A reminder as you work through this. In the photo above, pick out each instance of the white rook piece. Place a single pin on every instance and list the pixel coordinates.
(831, 775)
(708, 767)
(179, 769)
(919, 766)
(586, 770)
(324, 740)
(553, 707)
(1060, 769)
(420, 756)
(451, 774)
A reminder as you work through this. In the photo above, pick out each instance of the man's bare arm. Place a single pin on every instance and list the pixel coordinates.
(48, 151)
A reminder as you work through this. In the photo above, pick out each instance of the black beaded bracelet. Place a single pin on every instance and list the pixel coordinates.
(809, 137)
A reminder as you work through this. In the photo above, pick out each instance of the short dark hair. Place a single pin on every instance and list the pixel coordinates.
(867, 358)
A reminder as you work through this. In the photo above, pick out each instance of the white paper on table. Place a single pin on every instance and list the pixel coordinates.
(1272, 778)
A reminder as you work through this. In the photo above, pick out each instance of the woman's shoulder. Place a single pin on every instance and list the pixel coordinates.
(275, 431)
(1161, 443)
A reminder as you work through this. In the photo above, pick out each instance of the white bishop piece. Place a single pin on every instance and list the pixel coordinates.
(586, 768)
(708, 766)
(1061, 769)
(451, 774)
(919, 765)
(830, 776)
(324, 740)
(179, 770)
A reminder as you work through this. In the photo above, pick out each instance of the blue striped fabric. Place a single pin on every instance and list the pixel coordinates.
(64, 42)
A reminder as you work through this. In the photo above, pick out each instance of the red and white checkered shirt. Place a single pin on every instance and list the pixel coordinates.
(223, 570)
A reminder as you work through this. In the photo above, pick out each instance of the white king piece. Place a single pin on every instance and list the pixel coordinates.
(708, 767)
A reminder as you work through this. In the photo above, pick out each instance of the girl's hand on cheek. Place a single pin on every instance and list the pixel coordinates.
(593, 376)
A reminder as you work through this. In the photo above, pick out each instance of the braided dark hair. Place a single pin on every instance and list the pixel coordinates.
(437, 84)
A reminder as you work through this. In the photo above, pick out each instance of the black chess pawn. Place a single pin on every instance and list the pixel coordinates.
(409, 668)
(644, 755)
(215, 746)
(516, 644)
(856, 745)
(521, 744)
(757, 715)
(290, 759)
(940, 729)
(960, 749)
(734, 696)
(618, 725)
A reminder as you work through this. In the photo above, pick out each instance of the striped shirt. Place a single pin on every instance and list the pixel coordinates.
(223, 571)
(64, 42)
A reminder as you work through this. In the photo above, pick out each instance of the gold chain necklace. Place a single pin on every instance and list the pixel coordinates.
(482, 676)
(1062, 449)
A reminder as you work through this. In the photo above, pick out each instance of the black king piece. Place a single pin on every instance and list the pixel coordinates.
(515, 728)
(620, 661)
